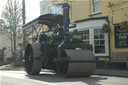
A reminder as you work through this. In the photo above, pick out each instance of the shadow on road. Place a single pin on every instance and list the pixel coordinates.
(53, 78)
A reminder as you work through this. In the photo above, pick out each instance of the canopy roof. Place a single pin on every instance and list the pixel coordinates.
(50, 19)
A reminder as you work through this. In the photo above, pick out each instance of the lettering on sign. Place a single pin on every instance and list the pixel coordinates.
(121, 38)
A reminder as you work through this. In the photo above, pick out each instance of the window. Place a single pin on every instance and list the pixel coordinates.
(56, 9)
(85, 36)
(95, 6)
(92, 34)
(99, 41)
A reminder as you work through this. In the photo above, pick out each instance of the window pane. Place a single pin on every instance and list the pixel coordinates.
(96, 31)
(99, 42)
(87, 31)
(85, 36)
(93, 3)
(96, 37)
(84, 32)
(80, 32)
(102, 36)
(86, 42)
(96, 6)
(102, 42)
(99, 49)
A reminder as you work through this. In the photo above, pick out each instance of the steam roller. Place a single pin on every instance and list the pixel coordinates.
(59, 49)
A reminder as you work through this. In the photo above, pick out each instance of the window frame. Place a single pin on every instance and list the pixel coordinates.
(85, 35)
(92, 41)
(92, 8)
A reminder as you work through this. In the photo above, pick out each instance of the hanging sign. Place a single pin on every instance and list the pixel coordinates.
(121, 38)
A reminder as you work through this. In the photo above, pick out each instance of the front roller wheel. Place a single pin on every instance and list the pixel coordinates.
(33, 62)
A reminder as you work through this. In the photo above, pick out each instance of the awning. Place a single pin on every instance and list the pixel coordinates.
(50, 19)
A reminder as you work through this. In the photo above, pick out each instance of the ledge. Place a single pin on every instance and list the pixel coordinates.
(94, 14)
(92, 18)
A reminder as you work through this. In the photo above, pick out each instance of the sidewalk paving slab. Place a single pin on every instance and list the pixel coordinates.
(11, 68)
(111, 72)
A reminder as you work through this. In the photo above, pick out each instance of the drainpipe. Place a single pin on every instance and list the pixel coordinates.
(109, 40)
(23, 11)
(23, 16)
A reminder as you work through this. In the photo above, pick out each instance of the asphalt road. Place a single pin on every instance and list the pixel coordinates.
(49, 78)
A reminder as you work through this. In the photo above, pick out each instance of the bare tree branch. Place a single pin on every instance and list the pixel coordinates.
(12, 17)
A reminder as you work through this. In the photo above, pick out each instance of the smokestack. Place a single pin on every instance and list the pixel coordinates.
(66, 19)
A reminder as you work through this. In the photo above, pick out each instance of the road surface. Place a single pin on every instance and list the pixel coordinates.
(49, 78)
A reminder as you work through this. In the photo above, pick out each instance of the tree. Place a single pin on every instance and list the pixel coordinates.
(12, 17)
(2, 23)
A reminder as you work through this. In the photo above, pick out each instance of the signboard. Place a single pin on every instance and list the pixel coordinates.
(121, 38)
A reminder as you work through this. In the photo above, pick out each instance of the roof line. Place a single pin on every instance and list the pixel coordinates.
(30, 22)
(92, 18)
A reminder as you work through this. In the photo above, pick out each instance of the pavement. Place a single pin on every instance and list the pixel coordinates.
(104, 72)
(7, 67)
(111, 72)
(49, 78)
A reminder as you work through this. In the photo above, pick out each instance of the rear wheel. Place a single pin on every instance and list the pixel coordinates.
(33, 62)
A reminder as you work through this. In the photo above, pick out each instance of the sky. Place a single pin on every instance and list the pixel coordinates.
(2, 3)
(32, 8)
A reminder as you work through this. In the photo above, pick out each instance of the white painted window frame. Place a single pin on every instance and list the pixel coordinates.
(92, 7)
(106, 43)
(88, 34)
(91, 36)
(91, 25)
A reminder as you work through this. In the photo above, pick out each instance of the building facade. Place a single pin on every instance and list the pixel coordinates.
(6, 47)
(5, 43)
(45, 6)
(103, 24)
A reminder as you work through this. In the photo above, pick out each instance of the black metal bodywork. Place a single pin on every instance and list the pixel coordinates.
(53, 47)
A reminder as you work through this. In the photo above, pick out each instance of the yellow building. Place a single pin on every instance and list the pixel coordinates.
(92, 16)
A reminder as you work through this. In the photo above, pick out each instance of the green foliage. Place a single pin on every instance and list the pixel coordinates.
(124, 25)
(2, 23)
(106, 28)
